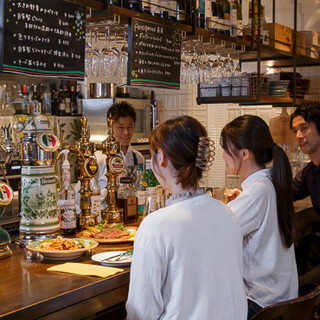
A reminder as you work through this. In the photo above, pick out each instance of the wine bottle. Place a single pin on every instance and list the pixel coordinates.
(54, 100)
(66, 200)
(234, 18)
(67, 100)
(35, 105)
(73, 97)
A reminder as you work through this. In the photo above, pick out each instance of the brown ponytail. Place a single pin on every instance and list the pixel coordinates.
(179, 138)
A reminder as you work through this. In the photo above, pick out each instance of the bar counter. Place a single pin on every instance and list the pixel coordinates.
(29, 291)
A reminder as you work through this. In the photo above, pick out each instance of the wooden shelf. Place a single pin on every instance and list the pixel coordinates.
(250, 100)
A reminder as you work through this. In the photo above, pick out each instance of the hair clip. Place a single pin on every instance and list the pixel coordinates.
(205, 153)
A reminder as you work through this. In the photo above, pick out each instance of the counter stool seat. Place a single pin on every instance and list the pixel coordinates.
(306, 307)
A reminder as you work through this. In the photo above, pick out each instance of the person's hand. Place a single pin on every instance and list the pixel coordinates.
(231, 194)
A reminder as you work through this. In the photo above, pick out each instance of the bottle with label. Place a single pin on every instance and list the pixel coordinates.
(62, 102)
(127, 199)
(66, 200)
(67, 100)
(141, 193)
(79, 98)
(95, 199)
(46, 101)
(151, 183)
(234, 18)
(26, 102)
(73, 96)
(35, 103)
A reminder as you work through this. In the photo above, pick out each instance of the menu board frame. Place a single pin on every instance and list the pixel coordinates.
(43, 38)
(154, 57)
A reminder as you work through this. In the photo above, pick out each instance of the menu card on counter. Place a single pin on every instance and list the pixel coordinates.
(154, 55)
(44, 38)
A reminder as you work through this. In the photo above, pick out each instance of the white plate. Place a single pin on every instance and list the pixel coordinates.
(59, 254)
(125, 261)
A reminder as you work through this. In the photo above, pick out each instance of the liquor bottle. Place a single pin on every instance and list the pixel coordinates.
(207, 13)
(150, 182)
(73, 96)
(26, 101)
(141, 193)
(67, 100)
(95, 199)
(46, 101)
(79, 100)
(54, 100)
(239, 20)
(234, 18)
(62, 102)
(35, 103)
(127, 200)
(182, 11)
(66, 200)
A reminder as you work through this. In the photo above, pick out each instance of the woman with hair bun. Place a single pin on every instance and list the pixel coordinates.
(187, 262)
(264, 210)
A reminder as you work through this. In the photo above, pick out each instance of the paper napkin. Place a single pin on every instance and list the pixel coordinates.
(86, 269)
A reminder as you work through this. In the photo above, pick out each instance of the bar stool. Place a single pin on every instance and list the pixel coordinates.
(306, 307)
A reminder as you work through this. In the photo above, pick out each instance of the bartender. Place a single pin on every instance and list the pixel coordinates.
(125, 118)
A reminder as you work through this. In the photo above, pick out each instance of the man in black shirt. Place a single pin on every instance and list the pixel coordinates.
(305, 123)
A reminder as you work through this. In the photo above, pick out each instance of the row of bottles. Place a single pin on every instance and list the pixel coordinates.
(221, 16)
(66, 203)
(46, 99)
(138, 197)
(175, 10)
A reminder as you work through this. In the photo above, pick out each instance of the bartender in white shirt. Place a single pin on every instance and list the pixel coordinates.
(123, 128)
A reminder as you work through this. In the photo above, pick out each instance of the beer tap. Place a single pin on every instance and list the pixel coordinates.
(115, 166)
(88, 169)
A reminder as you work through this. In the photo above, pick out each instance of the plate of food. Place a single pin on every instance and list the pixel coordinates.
(113, 258)
(61, 248)
(109, 233)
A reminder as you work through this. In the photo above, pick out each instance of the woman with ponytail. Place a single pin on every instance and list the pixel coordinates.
(187, 261)
(264, 210)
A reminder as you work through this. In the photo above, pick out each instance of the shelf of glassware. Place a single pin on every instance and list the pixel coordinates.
(250, 100)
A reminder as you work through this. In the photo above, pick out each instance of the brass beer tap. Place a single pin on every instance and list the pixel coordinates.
(88, 169)
(115, 166)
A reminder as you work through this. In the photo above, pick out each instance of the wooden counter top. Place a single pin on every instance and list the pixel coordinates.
(29, 291)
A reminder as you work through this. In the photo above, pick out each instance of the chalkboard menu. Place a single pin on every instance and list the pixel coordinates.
(44, 38)
(154, 55)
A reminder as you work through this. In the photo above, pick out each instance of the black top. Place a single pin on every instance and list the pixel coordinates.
(307, 183)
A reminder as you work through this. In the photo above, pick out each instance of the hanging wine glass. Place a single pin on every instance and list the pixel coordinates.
(110, 56)
(95, 57)
(123, 59)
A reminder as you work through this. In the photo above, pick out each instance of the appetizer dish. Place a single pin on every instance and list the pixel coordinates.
(61, 248)
(105, 233)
